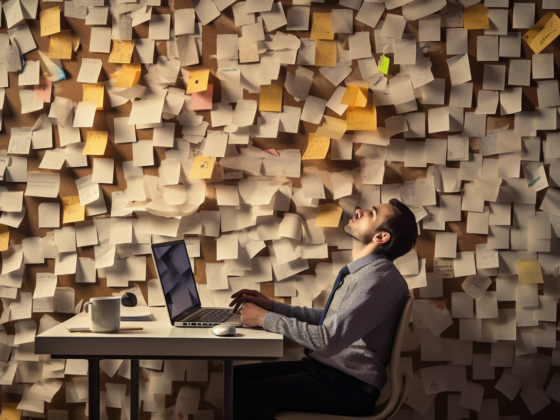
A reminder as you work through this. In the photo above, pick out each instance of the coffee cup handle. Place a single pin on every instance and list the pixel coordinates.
(86, 307)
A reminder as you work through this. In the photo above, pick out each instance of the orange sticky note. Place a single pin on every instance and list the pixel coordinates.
(355, 96)
(50, 21)
(60, 46)
(94, 92)
(325, 53)
(328, 215)
(321, 28)
(43, 90)
(96, 142)
(201, 101)
(129, 75)
(270, 98)
(361, 118)
(202, 167)
(317, 147)
(10, 411)
(333, 128)
(72, 210)
(476, 17)
(4, 237)
(543, 32)
(198, 81)
(122, 51)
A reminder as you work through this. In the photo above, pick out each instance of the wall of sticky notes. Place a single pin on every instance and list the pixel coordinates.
(252, 130)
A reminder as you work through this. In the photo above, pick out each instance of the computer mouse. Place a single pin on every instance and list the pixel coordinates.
(129, 299)
(224, 329)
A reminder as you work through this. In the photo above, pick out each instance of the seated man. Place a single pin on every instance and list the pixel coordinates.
(348, 343)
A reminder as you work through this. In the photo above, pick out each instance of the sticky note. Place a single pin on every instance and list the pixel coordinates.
(476, 17)
(43, 90)
(198, 81)
(129, 75)
(321, 28)
(328, 216)
(96, 142)
(202, 167)
(202, 100)
(325, 53)
(94, 92)
(362, 118)
(543, 32)
(383, 66)
(60, 46)
(10, 411)
(317, 147)
(4, 237)
(270, 98)
(122, 51)
(333, 128)
(72, 210)
(529, 271)
(355, 96)
(50, 21)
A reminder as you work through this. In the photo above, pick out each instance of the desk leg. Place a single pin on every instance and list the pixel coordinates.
(228, 390)
(134, 389)
(93, 390)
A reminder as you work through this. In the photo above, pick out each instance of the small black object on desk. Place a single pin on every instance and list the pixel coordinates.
(129, 299)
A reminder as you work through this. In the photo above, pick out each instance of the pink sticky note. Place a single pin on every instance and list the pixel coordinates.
(272, 152)
(202, 100)
(43, 90)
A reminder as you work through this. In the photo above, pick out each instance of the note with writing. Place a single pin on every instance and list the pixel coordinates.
(270, 98)
(94, 92)
(96, 142)
(325, 53)
(198, 81)
(543, 32)
(333, 128)
(476, 17)
(60, 46)
(20, 140)
(362, 118)
(321, 28)
(317, 147)
(122, 51)
(202, 167)
(529, 271)
(50, 21)
(73, 211)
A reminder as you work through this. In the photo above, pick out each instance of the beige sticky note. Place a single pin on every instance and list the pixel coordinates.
(321, 28)
(329, 215)
(444, 266)
(96, 142)
(60, 46)
(476, 17)
(50, 21)
(317, 147)
(198, 81)
(270, 98)
(325, 53)
(4, 237)
(543, 32)
(355, 96)
(122, 51)
(94, 92)
(333, 128)
(72, 210)
(529, 271)
(362, 118)
(202, 167)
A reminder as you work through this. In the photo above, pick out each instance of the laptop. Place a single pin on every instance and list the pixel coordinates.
(179, 288)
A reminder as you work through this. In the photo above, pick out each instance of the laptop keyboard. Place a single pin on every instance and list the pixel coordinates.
(212, 315)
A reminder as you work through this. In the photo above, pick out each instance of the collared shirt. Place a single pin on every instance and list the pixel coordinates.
(359, 328)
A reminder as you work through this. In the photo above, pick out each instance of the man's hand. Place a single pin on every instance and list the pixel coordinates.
(252, 315)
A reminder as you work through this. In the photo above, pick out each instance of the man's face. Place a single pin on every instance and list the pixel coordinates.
(364, 223)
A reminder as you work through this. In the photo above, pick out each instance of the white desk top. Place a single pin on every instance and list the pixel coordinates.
(158, 339)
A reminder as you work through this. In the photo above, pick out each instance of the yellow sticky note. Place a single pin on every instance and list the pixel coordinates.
(202, 167)
(529, 271)
(317, 147)
(543, 32)
(129, 75)
(476, 17)
(4, 237)
(383, 65)
(60, 46)
(328, 216)
(96, 142)
(122, 51)
(198, 81)
(325, 53)
(10, 411)
(270, 98)
(50, 21)
(355, 96)
(333, 128)
(94, 92)
(362, 118)
(321, 28)
(72, 210)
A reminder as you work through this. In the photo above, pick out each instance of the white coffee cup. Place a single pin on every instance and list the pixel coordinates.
(105, 314)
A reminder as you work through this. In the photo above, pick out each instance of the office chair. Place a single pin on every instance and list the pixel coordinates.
(399, 382)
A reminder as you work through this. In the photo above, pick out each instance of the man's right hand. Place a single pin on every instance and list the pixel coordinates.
(253, 296)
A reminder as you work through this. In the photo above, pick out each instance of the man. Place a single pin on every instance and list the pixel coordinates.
(348, 344)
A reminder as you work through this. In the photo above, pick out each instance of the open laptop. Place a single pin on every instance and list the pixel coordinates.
(179, 288)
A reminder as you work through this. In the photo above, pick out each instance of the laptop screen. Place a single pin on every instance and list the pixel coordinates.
(177, 280)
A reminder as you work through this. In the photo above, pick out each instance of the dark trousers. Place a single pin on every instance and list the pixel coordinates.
(261, 390)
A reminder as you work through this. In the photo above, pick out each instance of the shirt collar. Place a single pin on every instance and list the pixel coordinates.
(363, 261)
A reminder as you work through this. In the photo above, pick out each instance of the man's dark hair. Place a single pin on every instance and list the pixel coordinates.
(402, 228)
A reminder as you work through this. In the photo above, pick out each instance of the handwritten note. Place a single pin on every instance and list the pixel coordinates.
(122, 51)
(476, 17)
(328, 216)
(202, 167)
(73, 211)
(529, 271)
(50, 21)
(325, 53)
(96, 142)
(321, 28)
(94, 92)
(317, 147)
(362, 118)
(43, 90)
(60, 46)
(543, 32)
(270, 98)
(198, 81)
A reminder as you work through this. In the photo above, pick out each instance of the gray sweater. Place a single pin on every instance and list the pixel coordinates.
(359, 328)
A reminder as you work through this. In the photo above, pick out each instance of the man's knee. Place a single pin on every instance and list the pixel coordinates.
(243, 395)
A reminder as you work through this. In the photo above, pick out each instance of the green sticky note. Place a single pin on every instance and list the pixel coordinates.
(384, 64)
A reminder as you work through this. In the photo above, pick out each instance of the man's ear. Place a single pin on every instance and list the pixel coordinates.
(382, 237)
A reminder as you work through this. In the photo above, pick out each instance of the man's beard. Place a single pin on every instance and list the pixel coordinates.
(349, 231)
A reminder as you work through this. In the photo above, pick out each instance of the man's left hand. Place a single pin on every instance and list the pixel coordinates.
(252, 315)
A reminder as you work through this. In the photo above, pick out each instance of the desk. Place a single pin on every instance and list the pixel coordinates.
(158, 340)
